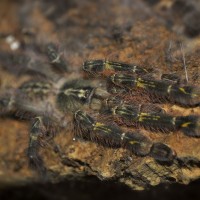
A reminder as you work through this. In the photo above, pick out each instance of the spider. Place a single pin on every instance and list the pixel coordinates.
(101, 105)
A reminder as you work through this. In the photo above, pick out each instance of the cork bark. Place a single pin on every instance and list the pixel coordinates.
(139, 33)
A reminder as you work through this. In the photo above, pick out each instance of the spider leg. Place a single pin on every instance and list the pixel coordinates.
(7, 103)
(105, 68)
(189, 125)
(112, 136)
(152, 118)
(56, 58)
(35, 160)
(172, 78)
(161, 153)
(43, 129)
(184, 95)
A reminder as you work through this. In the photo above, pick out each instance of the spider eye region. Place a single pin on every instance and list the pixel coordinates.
(81, 94)
(73, 95)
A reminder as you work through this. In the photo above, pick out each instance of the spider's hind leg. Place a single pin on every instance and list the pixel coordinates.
(35, 160)
(40, 132)
(7, 103)
(113, 136)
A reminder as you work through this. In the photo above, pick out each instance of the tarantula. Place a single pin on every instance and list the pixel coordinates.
(102, 106)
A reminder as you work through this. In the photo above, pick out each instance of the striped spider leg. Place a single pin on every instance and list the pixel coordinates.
(183, 95)
(105, 68)
(42, 130)
(161, 87)
(151, 117)
(112, 136)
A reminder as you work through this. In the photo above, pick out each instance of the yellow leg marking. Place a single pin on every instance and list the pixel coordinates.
(144, 83)
(186, 124)
(169, 89)
(100, 126)
(174, 120)
(139, 83)
(107, 65)
(148, 116)
(34, 137)
(133, 142)
(191, 94)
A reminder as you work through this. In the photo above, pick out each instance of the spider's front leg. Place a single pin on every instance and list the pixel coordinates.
(183, 95)
(128, 77)
(105, 68)
(152, 117)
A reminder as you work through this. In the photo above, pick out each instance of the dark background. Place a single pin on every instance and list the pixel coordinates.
(91, 188)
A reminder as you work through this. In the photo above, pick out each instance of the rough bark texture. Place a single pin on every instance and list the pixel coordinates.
(143, 32)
